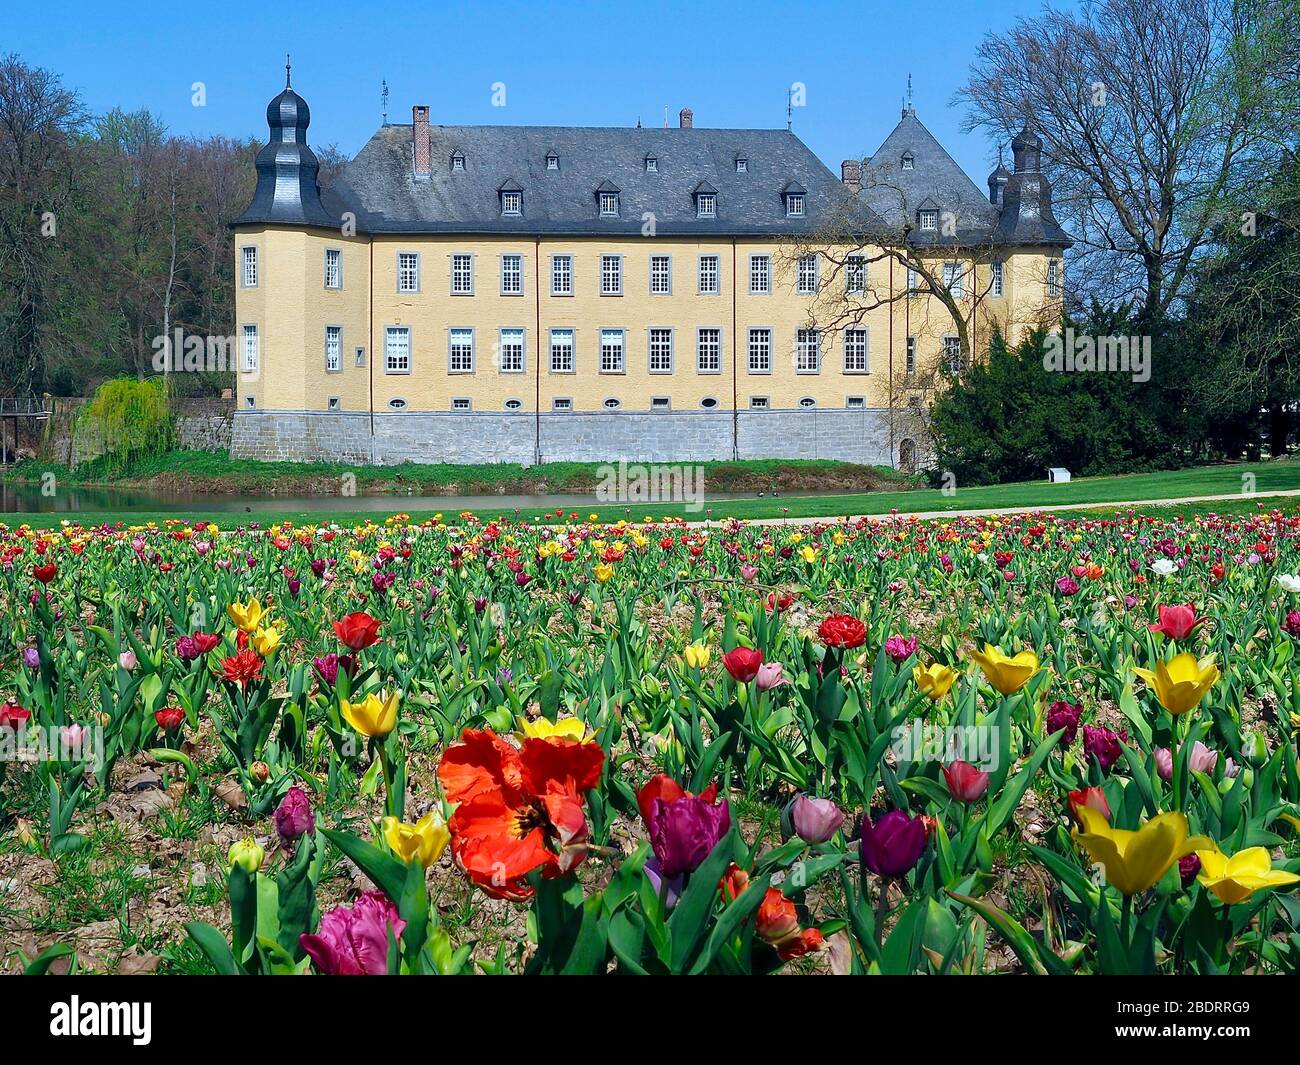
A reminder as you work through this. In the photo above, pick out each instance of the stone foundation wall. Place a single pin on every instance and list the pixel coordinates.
(861, 436)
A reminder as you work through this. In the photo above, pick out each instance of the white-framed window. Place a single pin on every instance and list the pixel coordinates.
(661, 275)
(250, 349)
(855, 274)
(806, 277)
(360, 357)
(512, 275)
(794, 204)
(562, 351)
(855, 350)
(661, 403)
(611, 351)
(250, 402)
(612, 404)
(334, 403)
(514, 404)
(611, 275)
(709, 403)
(512, 203)
(552, 162)
(954, 279)
(708, 350)
(952, 360)
(651, 165)
(709, 280)
(908, 162)
(461, 403)
(457, 162)
(807, 401)
(929, 219)
(742, 165)
(760, 275)
(760, 350)
(397, 349)
(511, 350)
(706, 205)
(1054, 278)
(561, 403)
(913, 281)
(333, 348)
(333, 268)
(995, 279)
(249, 273)
(408, 271)
(911, 357)
(661, 350)
(807, 351)
(609, 205)
(855, 403)
(561, 275)
(396, 403)
(462, 274)
(758, 403)
(460, 350)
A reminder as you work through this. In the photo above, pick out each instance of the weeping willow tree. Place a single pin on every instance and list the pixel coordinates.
(132, 418)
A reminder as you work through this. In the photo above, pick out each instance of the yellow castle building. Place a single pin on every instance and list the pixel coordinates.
(545, 293)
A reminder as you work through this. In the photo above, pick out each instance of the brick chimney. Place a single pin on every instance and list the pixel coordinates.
(423, 148)
(686, 118)
(851, 175)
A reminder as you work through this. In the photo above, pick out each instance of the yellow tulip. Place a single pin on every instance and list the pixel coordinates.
(1235, 878)
(604, 571)
(569, 728)
(421, 842)
(696, 655)
(246, 617)
(372, 716)
(809, 554)
(934, 679)
(1181, 682)
(1008, 674)
(1135, 861)
(265, 641)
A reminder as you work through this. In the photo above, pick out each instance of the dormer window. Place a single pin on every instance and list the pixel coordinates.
(742, 165)
(794, 204)
(457, 162)
(651, 164)
(908, 161)
(929, 219)
(706, 205)
(512, 203)
(552, 161)
(609, 205)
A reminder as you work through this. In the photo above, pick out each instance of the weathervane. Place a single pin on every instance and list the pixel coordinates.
(384, 99)
(288, 69)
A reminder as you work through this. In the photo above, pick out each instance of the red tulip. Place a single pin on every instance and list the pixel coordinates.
(1093, 798)
(358, 631)
(45, 573)
(742, 663)
(842, 630)
(1177, 622)
(965, 782)
(170, 717)
(13, 716)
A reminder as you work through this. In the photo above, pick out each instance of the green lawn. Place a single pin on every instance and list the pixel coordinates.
(1215, 480)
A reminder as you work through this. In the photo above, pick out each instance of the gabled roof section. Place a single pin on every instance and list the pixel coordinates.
(379, 185)
(935, 181)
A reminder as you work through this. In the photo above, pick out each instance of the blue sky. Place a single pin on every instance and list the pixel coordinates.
(562, 63)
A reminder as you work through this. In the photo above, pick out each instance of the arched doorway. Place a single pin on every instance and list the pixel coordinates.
(907, 455)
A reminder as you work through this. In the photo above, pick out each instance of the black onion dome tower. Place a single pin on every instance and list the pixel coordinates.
(287, 191)
(1027, 197)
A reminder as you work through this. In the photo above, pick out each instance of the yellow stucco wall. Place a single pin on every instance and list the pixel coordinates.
(292, 307)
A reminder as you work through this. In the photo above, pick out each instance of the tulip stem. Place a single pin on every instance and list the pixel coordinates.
(882, 909)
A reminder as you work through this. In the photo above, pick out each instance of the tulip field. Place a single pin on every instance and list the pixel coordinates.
(1026, 744)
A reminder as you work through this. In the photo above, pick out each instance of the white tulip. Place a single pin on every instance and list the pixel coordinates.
(1163, 566)
(1289, 582)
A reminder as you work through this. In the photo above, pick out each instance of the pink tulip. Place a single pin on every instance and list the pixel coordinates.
(770, 675)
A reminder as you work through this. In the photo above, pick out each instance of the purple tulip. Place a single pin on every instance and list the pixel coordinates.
(353, 940)
(673, 892)
(684, 831)
(294, 817)
(815, 820)
(1063, 715)
(31, 657)
(900, 648)
(892, 845)
(327, 667)
(1102, 744)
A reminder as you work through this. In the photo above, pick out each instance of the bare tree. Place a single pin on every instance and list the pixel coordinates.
(38, 120)
(1151, 111)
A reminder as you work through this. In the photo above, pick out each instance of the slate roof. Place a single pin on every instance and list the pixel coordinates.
(380, 186)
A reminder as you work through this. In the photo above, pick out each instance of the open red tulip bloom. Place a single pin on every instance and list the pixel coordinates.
(520, 809)
(1177, 622)
(357, 631)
